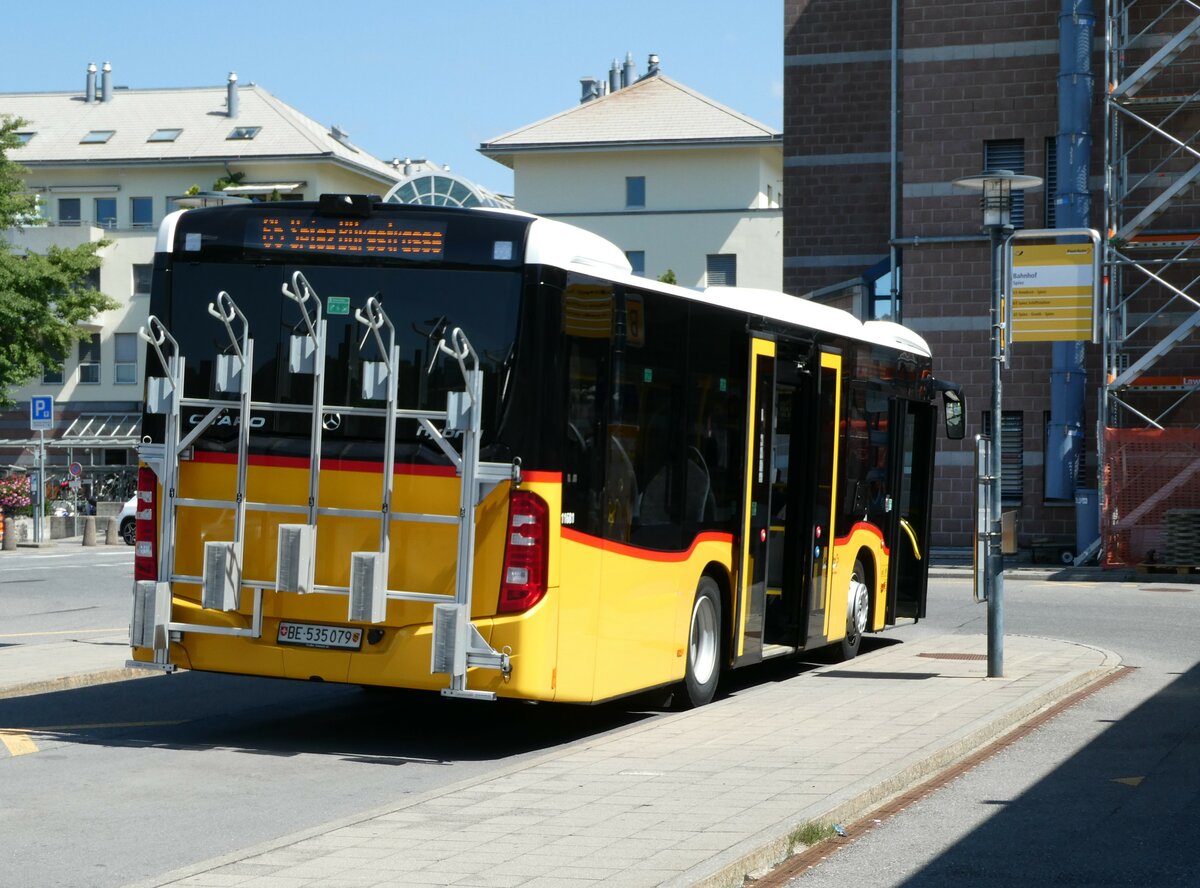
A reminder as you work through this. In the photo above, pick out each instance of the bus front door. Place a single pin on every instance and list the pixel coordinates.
(792, 454)
(911, 486)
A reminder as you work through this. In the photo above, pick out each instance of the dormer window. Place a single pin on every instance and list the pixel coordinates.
(165, 135)
(97, 137)
(244, 132)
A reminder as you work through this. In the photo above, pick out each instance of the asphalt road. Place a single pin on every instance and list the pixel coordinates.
(1106, 794)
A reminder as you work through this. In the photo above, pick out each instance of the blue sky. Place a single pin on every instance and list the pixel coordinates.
(420, 80)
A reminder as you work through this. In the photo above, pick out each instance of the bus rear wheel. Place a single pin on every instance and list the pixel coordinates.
(704, 645)
(858, 607)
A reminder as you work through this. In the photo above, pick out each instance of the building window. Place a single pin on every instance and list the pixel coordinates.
(97, 137)
(89, 360)
(244, 132)
(106, 212)
(164, 135)
(125, 368)
(141, 212)
(1012, 454)
(53, 375)
(68, 211)
(1051, 178)
(720, 270)
(635, 191)
(24, 137)
(1008, 154)
(142, 275)
(637, 261)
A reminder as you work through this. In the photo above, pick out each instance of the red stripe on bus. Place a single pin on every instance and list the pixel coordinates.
(575, 536)
(869, 528)
(542, 477)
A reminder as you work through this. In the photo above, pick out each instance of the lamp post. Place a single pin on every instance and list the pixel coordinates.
(996, 187)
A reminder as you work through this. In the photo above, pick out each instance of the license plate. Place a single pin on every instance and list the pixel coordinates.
(342, 638)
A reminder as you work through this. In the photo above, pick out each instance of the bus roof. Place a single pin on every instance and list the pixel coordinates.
(569, 247)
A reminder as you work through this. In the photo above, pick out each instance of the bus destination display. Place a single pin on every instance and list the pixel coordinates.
(347, 237)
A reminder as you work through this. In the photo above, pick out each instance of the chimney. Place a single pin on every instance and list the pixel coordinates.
(106, 83)
(652, 65)
(91, 83)
(231, 95)
(614, 77)
(629, 72)
(589, 89)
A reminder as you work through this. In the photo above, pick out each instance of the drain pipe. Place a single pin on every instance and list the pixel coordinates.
(1072, 201)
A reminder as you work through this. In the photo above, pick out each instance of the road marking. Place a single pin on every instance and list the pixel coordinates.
(62, 632)
(17, 742)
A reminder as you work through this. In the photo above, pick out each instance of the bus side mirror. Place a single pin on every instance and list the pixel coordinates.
(956, 427)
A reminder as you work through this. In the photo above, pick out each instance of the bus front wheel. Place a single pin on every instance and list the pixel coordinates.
(704, 645)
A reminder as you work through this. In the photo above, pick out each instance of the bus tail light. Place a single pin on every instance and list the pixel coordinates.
(145, 549)
(526, 553)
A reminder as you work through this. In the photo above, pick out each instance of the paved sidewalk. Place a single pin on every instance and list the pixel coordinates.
(694, 799)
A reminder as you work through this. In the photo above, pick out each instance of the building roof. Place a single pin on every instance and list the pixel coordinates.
(59, 121)
(654, 110)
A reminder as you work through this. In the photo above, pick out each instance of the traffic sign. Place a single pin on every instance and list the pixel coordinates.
(41, 413)
(75, 469)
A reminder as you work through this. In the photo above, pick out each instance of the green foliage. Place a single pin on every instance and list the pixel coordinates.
(228, 180)
(42, 297)
(812, 833)
(668, 277)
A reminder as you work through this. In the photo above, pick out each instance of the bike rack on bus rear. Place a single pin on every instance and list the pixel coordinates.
(456, 644)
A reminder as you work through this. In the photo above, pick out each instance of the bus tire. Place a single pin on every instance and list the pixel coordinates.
(703, 669)
(857, 610)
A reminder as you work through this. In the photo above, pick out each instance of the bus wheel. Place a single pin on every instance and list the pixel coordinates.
(704, 645)
(858, 607)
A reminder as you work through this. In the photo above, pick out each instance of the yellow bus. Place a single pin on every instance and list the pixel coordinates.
(468, 450)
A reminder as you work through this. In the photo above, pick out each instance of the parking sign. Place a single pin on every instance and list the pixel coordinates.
(41, 413)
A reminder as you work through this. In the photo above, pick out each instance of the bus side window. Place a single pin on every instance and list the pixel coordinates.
(588, 322)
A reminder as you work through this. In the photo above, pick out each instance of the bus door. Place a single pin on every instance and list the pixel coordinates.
(911, 485)
(790, 495)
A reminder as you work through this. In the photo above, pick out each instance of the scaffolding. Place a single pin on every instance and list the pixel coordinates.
(1150, 409)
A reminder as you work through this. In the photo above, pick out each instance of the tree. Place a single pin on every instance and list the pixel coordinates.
(43, 297)
(668, 277)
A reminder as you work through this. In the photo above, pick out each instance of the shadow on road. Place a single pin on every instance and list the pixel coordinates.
(1122, 811)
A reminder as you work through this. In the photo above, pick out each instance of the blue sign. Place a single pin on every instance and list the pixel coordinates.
(41, 413)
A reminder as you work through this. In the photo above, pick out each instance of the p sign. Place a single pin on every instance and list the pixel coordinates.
(41, 413)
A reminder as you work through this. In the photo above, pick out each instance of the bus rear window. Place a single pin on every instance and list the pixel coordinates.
(423, 303)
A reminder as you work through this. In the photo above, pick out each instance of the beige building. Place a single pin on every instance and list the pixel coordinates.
(109, 163)
(676, 180)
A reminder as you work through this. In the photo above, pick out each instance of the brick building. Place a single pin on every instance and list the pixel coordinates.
(971, 87)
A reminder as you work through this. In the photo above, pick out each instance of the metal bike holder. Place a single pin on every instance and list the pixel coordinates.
(456, 645)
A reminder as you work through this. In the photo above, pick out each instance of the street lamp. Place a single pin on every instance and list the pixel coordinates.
(997, 188)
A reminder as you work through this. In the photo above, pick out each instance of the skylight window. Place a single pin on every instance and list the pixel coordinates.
(165, 135)
(244, 132)
(97, 137)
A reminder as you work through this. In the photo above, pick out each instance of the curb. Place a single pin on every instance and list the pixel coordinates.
(72, 682)
(775, 845)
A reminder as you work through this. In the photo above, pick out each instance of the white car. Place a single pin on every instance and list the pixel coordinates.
(127, 521)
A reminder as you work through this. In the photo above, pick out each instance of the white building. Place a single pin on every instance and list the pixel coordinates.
(675, 179)
(109, 163)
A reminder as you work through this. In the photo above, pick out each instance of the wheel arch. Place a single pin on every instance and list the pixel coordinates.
(720, 575)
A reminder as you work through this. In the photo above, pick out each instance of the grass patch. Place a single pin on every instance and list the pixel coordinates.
(812, 833)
